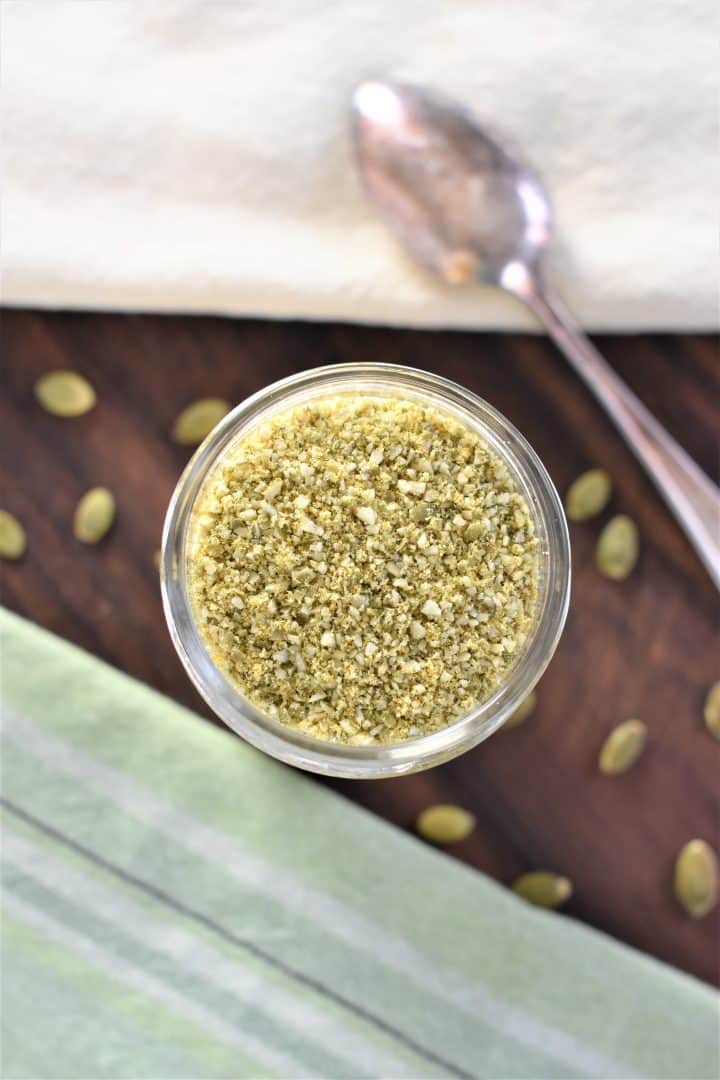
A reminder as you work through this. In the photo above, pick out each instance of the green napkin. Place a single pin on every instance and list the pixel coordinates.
(177, 905)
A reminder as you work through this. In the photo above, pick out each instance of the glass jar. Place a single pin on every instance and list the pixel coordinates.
(340, 759)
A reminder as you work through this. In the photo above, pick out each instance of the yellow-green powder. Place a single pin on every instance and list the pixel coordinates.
(363, 568)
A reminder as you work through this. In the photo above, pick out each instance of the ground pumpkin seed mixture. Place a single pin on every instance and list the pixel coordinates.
(363, 568)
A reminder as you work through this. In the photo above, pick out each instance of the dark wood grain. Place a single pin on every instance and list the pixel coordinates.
(646, 648)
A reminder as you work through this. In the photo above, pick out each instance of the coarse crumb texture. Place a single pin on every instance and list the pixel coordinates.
(363, 568)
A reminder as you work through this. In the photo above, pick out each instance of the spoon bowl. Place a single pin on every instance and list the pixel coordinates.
(452, 194)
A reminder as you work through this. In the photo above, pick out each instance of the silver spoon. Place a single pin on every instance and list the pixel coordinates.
(468, 209)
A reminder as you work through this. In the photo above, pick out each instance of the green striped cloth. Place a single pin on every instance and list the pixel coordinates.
(177, 905)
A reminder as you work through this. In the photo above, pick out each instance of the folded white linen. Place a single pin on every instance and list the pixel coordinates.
(186, 156)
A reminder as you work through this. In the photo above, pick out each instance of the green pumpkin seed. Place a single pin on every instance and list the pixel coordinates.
(696, 878)
(525, 709)
(622, 747)
(156, 558)
(712, 710)
(588, 495)
(65, 393)
(617, 548)
(197, 420)
(12, 537)
(542, 888)
(445, 824)
(94, 515)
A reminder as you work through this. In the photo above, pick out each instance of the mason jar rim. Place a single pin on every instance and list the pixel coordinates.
(383, 759)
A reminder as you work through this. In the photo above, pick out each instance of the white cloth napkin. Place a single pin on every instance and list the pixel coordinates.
(188, 156)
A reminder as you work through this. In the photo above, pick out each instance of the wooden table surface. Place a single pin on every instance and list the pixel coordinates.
(641, 648)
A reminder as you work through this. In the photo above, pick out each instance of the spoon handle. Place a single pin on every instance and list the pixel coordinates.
(689, 492)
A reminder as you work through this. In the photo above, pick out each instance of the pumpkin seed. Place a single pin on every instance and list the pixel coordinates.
(198, 419)
(588, 495)
(445, 824)
(156, 558)
(696, 878)
(65, 393)
(12, 536)
(525, 709)
(622, 747)
(617, 548)
(543, 888)
(94, 515)
(712, 710)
